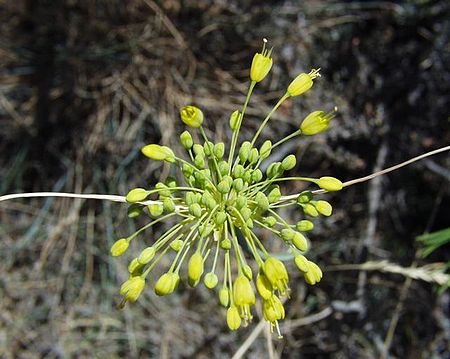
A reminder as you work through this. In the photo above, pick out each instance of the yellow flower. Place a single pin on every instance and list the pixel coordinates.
(314, 273)
(316, 122)
(195, 268)
(302, 83)
(324, 208)
(261, 64)
(192, 116)
(158, 153)
(119, 247)
(276, 273)
(132, 288)
(233, 318)
(166, 284)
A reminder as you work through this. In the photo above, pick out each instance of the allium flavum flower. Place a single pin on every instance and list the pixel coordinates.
(223, 203)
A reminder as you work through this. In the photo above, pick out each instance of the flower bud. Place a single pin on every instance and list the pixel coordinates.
(302, 263)
(261, 64)
(257, 175)
(137, 195)
(198, 150)
(287, 234)
(195, 210)
(224, 296)
(253, 156)
(329, 184)
(314, 274)
(244, 151)
(195, 268)
(246, 213)
(305, 197)
(233, 318)
(155, 209)
(224, 187)
(158, 153)
(219, 150)
(299, 241)
(220, 218)
(324, 208)
(192, 116)
(186, 140)
(310, 210)
(168, 205)
(134, 268)
(304, 226)
(274, 195)
(265, 149)
(270, 221)
(247, 271)
(241, 202)
(166, 284)
(243, 293)
(208, 147)
(132, 288)
(238, 171)
(210, 280)
(119, 247)
(302, 83)
(134, 210)
(238, 184)
(225, 244)
(146, 255)
(199, 161)
(276, 273)
(289, 163)
(176, 245)
(223, 168)
(261, 201)
(263, 286)
(316, 122)
(234, 120)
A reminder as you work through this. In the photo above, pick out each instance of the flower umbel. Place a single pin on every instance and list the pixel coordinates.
(221, 201)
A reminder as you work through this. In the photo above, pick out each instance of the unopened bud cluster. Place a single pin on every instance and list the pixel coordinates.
(223, 201)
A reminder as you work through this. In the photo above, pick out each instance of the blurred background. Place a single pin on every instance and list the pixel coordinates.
(85, 84)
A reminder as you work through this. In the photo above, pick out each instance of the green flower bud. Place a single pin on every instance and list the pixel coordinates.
(134, 267)
(221, 217)
(264, 286)
(324, 208)
(223, 167)
(299, 241)
(304, 226)
(176, 245)
(316, 122)
(274, 170)
(270, 221)
(224, 296)
(247, 177)
(247, 271)
(244, 151)
(253, 156)
(241, 202)
(234, 120)
(238, 184)
(158, 153)
(189, 198)
(187, 170)
(195, 210)
(329, 184)
(243, 293)
(310, 210)
(274, 195)
(302, 263)
(166, 284)
(168, 205)
(289, 163)
(249, 223)
(265, 149)
(224, 187)
(257, 175)
(287, 234)
(225, 244)
(238, 171)
(137, 195)
(192, 116)
(195, 268)
(246, 213)
(170, 182)
(198, 150)
(134, 210)
(261, 65)
(233, 318)
(199, 161)
(119, 247)
(210, 280)
(261, 201)
(208, 147)
(219, 150)
(302, 83)
(205, 229)
(305, 197)
(155, 209)
(132, 288)
(163, 190)
(146, 255)
(186, 140)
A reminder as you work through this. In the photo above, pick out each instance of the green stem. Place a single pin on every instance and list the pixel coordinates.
(202, 131)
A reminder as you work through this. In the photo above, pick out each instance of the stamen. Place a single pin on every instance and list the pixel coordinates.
(314, 73)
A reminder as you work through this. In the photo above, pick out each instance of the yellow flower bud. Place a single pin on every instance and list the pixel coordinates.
(304, 225)
(132, 288)
(233, 318)
(310, 210)
(263, 286)
(210, 280)
(302, 263)
(314, 274)
(186, 140)
(247, 270)
(224, 296)
(261, 64)
(195, 268)
(146, 255)
(243, 293)
(329, 184)
(176, 245)
(234, 120)
(134, 267)
(299, 241)
(166, 284)
(158, 153)
(302, 83)
(155, 209)
(324, 208)
(316, 122)
(137, 195)
(119, 247)
(192, 116)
